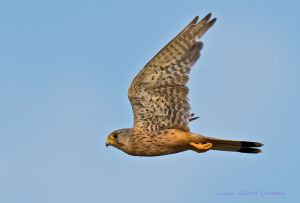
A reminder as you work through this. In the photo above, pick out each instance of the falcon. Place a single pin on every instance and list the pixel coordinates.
(158, 96)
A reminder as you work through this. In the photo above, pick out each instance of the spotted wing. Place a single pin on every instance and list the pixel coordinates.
(158, 94)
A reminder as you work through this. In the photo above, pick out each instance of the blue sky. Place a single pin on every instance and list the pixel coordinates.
(65, 67)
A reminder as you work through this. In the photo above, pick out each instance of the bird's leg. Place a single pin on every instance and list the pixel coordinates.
(201, 147)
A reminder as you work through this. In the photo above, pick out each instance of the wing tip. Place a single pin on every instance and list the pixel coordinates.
(195, 20)
(212, 22)
(207, 21)
(207, 17)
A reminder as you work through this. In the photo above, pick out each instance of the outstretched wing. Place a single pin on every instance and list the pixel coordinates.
(158, 94)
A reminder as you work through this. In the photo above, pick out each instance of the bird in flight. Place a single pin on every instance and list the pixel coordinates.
(158, 96)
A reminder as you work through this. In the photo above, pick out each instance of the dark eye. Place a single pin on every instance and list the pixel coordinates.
(115, 135)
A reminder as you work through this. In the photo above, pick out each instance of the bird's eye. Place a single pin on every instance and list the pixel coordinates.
(115, 135)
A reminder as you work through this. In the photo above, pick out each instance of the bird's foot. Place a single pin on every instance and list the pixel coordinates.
(201, 147)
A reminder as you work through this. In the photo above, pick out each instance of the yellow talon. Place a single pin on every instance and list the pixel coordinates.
(201, 147)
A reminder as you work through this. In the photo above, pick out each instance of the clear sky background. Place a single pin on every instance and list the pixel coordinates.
(65, 67)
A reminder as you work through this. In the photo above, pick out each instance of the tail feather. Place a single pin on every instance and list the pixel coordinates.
(250, 144)
(250, 150)
(235, 146)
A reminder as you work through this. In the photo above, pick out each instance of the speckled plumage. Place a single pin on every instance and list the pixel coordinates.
(158, 96)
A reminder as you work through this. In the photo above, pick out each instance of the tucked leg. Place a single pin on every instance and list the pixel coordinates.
(201, 147)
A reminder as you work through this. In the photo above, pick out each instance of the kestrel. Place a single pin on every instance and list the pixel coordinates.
(158, 96)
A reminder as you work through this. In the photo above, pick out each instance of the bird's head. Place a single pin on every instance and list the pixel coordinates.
(119, 138)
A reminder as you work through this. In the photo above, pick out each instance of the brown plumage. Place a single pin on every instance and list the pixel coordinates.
(158, 96)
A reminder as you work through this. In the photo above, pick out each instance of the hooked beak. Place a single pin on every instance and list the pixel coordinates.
(109, 141)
